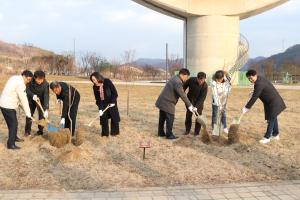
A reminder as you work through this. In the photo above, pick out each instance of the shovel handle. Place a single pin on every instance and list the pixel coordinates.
(105, 109)
(240, 118)
(38, 102)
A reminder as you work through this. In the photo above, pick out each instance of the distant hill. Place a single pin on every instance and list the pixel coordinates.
(15, 57)
(20, 51)
(154, 62)
(252, 61)
(287, 61)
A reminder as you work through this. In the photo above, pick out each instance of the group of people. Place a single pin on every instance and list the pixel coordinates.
(32, 92)
(221, 85)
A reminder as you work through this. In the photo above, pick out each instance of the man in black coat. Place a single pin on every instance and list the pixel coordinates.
(106, 94)
(38, 88)
(70, 98)
(273, 104)
(167, 101)
(196, 94)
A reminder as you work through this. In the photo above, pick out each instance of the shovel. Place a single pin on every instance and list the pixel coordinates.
(107, 107)
(200, 119)
(218, 127)
(50, 127)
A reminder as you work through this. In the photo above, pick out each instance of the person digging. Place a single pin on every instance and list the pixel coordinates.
(106, 96)
(37, 89)
(167, 101)
(196, 94)
(273, 104)
(12, 95)
(70, 98)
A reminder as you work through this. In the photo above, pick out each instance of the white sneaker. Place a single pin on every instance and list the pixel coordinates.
(225, 130)
(275, 137)
(264, 140)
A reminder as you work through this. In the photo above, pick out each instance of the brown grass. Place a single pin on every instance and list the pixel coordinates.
(101, 162)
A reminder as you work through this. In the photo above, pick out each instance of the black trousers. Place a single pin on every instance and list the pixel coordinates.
(73, 116)
(28, 124)
(188, 121)
(10, 116)
(114, 126)
(169, 119)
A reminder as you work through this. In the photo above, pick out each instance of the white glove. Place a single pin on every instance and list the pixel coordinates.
(46, 114)
(244, 110)
(194, 109)
(35, 97)
(221, 108)
(112, 105)
(100, 113)
(32, 119)
(62, 122)
(191, 108)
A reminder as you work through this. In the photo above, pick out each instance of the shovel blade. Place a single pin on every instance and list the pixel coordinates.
(51, 128)
(217, 130)
(201, 120)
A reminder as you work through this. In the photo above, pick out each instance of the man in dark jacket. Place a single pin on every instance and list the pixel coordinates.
(273, 104)
(70, 98)
(196, 94)
(167, 100)
(38, 88)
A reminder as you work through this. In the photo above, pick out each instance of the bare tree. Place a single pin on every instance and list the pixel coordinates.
(175, 63)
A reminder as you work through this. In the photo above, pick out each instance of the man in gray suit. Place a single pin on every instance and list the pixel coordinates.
(167, 100)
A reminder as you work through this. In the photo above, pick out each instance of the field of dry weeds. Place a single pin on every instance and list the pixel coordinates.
(117, 162)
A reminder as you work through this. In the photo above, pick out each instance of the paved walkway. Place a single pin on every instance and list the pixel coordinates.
(284, 190)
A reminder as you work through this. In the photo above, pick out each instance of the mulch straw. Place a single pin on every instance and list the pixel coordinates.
(79, 137)
(205, 138)
(233, 134)
(59, 138)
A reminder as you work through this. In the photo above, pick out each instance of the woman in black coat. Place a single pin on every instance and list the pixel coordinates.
(105, 94)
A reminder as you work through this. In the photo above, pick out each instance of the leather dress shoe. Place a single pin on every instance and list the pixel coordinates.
(39, 132)
(171, 137)
(19, 139)
(186, 133)
(27, 134)
(13, 147)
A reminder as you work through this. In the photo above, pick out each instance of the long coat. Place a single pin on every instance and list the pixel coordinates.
(266, 92)
(169, 96)
(110, 96)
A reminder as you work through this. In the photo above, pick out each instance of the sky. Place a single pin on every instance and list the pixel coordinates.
(108, 27)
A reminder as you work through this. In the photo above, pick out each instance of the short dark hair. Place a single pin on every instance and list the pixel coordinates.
(98, 76)
(184, 71)
(27, 73)
(251, 72)
(39, 74)
(219, 74)
(54, 84)
(201, 75)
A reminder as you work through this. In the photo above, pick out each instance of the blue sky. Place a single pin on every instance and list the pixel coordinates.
(110, 27)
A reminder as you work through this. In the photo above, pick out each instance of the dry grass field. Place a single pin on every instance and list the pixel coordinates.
(117, 161)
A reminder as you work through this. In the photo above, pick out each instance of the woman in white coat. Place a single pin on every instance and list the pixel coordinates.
(220, 88)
